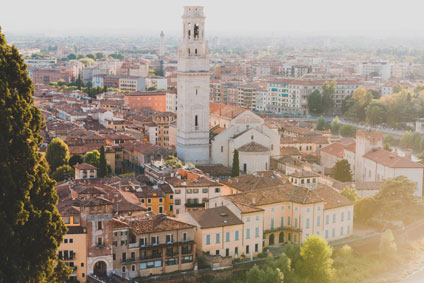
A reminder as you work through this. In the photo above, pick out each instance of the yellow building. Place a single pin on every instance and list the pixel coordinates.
(158, 198)
(73, 249)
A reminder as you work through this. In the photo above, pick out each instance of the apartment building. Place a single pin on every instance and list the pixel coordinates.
(156, 100)
(152, 244)
(157, 198)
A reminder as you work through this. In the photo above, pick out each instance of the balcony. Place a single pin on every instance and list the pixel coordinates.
(195, 205)
(152, 256)
(133, 245)
(186, 251)
(100, 246)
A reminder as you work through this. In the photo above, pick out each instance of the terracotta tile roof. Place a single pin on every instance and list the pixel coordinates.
(85, 166)
(277, 194)
(149, 191)
(215, 217)
(390, 159)
(253, 147)
(83, 149)
(290, 151)
(200, 182)
(118, 224)
(256, 181)
(306, 139)
(215, 170)
(304, 174)
(157, 223)
(96, 201)
(351, 147)
(246, 208)
(91, 191)
(332, 198)
(335, 149)
(223, 110)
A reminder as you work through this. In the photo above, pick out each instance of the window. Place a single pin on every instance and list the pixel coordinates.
(99, 225)
(341, 231)
(247, 249)
(295, 238)
(307, 223)
(342, 216)
(66, 220)
(333, 234)
(272, 223)
(217, 238)
(256, 248)
(282, 222)
(184, 236)
(222, 148)
(288, 220)
(236, 235)
(178, 192)
(133, 267)
(196, 122)
(177, 201)
(65, 241)
(208, 239)
(348, 215)
(295, 222)
(149, 208)
(244, 167)
(124, 257)
(257, 217)
(247, 233)
(257, 232)
(248, 219)
(171, 207)
(142, 242)
(171, 196)
(326, 234)
(205, 190)
(227, 252)
(318, 220)
(334, 218)
(149, 200)
(327, 219)
(160, 209)
(169, 238)
(160, 200)
(227, 236)
(217, 190)
(123, 269)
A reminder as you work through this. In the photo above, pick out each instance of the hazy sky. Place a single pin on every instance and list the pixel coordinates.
(229, 16)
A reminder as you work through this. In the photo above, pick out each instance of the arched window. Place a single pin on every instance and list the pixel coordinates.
(196, 31)
(195, 51)
(189, 31)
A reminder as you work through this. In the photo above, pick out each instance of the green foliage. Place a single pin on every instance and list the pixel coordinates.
(63, 172)
(357, 104)
(344, 252)
(102, 163)
(319, 103)
(72, 56)
(126, 175)
(314, 103)
(388, 247)
(118, 56)
(341, 171)
(87, 61)
(267, 275)
(30, 224)
(235, 170)
(322, 125)
(79, 82)
(350, 193)
(293, 253)
(376, 113)
(75, 159)
(348, 131)
(394, 202)
(152, 88)
(174, 162)
(93, 158)
(316, 264)
(413, 140)
(335, 126)
(57, 154)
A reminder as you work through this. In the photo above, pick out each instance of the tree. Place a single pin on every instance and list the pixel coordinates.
(75, 159)
(87, 61)
(314, 102)
(100, 55)
(93, 158)
(322, 124)
(63, 172)
(102, 163)
(316, 264)
(267, 275)
(79, 82)
(341, 171)
(30, 224)
(335, 126)
(152, 88)
(357, 104)
(235, 171)
(327, 102)
(348, 131)
(376, 113)
(57, 154)
(388, 247)
(72, 56)
(350, 193)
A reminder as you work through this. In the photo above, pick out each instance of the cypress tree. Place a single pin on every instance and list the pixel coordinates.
(236, 164)
(102, 163)
(31, 228)
(341, 171)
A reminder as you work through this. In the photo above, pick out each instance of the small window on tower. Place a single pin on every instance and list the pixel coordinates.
(188, 51)
(196, 124)
(195, 51)
(197, 91)
(196, 31)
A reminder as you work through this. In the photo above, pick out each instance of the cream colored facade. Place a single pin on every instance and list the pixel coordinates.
(244, 129)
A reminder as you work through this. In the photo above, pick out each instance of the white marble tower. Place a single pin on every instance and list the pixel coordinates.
(193, 89)
(162, 42)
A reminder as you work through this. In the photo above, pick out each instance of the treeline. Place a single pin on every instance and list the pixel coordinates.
(89, 59)
(336, 127)
(404, 105)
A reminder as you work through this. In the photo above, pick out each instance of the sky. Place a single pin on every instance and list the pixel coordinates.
(244, 17)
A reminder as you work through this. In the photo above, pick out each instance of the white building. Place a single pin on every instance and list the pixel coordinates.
(193, 89)
(382, 69)
(243, 130)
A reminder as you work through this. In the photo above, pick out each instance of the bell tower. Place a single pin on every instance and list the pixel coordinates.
(193, 89)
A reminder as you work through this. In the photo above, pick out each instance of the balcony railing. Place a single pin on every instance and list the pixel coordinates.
(152, 256)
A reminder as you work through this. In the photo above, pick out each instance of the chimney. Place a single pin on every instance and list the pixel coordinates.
(408, 154)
